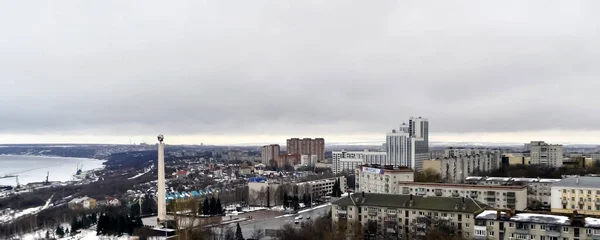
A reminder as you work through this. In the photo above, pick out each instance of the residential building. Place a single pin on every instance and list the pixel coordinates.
(547, 154)
(460, 164)
(433, 164)
(307, 146)
(349, 164)
(514, 159)
(527, 147)
(419, 134)
(504, 197)
(401, 216)
(595, 157)
(288, 159)
(575, 162)
(109, 202)
(268, 153)
(399, 149)
(539, 190)
(319, 188)
(581, 194)
(262, 192)
(367, 157)
(374, 179)
(82, 203)
(493, 224)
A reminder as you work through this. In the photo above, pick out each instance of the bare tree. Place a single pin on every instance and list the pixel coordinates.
(257, 234)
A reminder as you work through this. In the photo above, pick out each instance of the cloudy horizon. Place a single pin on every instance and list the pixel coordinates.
(263, 71)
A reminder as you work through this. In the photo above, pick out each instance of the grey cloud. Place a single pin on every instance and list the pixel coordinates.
(261, 67)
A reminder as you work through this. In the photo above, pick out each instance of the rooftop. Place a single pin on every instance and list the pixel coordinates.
(537, 218)
(590, 182)
(447, 204)
(511, 179)
(455, 185)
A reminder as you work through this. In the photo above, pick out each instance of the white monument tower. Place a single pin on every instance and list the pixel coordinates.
(162, 206)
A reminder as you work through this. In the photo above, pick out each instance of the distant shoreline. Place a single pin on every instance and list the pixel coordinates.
(48, 156)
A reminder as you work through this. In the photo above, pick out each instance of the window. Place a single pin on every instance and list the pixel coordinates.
(532, 226)
(511, 225)
(491, 223)
(566, 229)
(581, 191)
(589, 191)
(467, 225)
(564, 190)
(543, 227)
(572, 190)
(468, 216)
(491, 233)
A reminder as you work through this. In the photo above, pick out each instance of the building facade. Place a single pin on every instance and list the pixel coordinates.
(458, 165)
(419, 133)
(268, 153)
(288, 159)
(349, 164)
(367, 157)
(492, 224)
(307, 146)
(503, 197)
(581, 194)
(399, 149)
(405, 216)
(547, 154)
(373, 179)
(539, 190)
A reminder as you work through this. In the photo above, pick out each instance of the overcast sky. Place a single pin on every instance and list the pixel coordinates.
(221, 72)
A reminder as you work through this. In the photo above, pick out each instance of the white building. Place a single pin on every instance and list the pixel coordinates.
(547, 154)
(459, 164)
(381, 180)
(399, 149)
(366, 156)
(538, 189)
(349, 164)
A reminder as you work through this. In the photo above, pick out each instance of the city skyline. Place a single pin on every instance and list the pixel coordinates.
(207, 72)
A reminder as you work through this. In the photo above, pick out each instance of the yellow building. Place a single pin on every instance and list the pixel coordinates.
(581, 194)
(434, 164)
(515, 159)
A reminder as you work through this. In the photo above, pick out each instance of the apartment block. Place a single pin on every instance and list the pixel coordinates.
(492, 224)
(547, 154)
(580, 194)
(319, 188)
(366, 156)
(307, 146)
(419, 134)
(376, 179)
(539, 190)
(503, 197)
(349, 164)
(406, 216)
(399, 148)
(460, 163)
(268, 153)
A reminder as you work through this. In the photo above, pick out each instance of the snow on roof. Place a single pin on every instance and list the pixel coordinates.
(592, 222)
(488, 214)
(541, 218)
(473, 178)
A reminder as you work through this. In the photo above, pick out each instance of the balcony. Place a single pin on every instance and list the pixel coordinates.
(438, 193)
(564, 201)
(491, 199)
(597, 203)
(473, 195)
(455, 194)
(342, 212)
(581, 202)
(372, 212)
(405, 191)
(392, 213)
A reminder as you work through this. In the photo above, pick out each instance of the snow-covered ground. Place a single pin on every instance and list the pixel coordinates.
(88, 234)
(10, 214)
(147, 170)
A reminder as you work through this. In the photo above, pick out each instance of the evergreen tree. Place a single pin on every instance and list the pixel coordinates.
(206, 207)
(94, 218)
(75, 225)
(219, 207)
(47, 234)
(213, 206)
(66, 231)
(238, 233)
(60, 232)
(285, 200)
(295, 202)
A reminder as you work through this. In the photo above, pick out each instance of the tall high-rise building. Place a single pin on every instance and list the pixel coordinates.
(398, 146)
(547, 154)
(268, 153)
(419, 134)
(307, 146)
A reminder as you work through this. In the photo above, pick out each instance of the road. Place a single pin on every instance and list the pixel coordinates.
(277, 222)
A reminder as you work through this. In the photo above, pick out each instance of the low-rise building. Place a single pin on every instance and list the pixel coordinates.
(503, 197)
(492, 224)
(581, 194)
(539, 190)
(374, 179)
(109, 202)
(401, 216)
(82, 203)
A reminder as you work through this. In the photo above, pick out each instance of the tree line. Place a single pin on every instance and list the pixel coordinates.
(212, 206)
